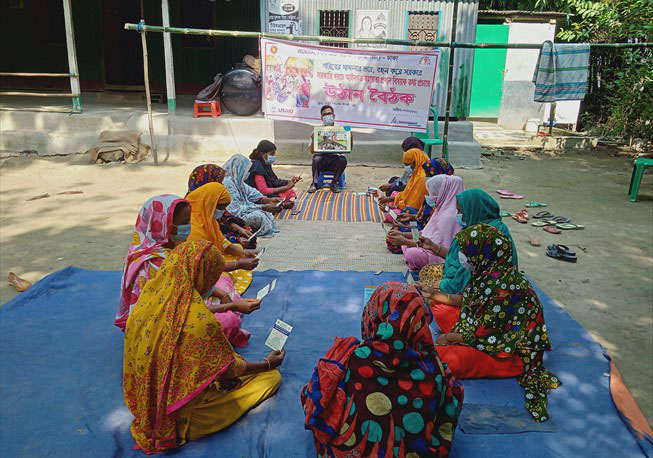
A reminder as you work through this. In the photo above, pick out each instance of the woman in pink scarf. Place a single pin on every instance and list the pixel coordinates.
(442, 226)
(162, 224)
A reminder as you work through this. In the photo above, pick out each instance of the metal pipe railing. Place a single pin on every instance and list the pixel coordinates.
(51, 75)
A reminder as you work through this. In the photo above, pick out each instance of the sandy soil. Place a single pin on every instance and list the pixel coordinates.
(609, 291)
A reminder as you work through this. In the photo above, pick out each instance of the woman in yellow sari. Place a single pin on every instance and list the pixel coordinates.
(415, 191)
(182, 379)
(208, 204)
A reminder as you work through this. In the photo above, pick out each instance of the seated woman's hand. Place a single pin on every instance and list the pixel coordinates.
(275, 358)
(385, 200)
(250, 253)
(428, 291)
(222, 295)
(248, 263)
(385, 187)
(296, 179)
(246, 306)
(244, 232)
(427, 244)
(272, 209)
(441, 340)
(396, 240)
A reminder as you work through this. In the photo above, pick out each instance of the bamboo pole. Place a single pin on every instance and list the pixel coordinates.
(387, 41)
(39, 94)
(51, 75)
(170, 75)
(146, 78)
(75, 87)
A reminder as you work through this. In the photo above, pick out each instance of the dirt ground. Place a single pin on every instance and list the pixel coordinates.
(609, 291)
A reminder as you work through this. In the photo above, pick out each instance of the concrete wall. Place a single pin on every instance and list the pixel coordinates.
(517, 103)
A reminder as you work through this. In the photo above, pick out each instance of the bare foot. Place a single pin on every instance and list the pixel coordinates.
(18, 283)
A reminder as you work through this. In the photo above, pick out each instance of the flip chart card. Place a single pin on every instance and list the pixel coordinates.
(278, 335)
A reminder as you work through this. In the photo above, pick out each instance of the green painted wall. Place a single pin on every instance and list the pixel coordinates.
(487, 77)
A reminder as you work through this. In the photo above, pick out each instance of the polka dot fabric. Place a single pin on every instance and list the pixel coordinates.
(388, 395)
(501, 314)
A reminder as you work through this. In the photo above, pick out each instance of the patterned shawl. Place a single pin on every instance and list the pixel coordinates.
(501, 314)
(146, 252)
(413, 195)
(174, 346)
(203, 174)
(389, 395)
(203, 202)
(442, 226)
(438, 166)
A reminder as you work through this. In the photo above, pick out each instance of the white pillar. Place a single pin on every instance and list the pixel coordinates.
(169, 63)
(72, 57)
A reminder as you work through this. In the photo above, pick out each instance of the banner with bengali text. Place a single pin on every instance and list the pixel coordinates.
(367, 88)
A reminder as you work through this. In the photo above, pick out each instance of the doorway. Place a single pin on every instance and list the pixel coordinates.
(487, 77)
(123, 53)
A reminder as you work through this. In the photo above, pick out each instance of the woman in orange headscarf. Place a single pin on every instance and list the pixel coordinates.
(415, 191)
(208, 204)
(182, 379)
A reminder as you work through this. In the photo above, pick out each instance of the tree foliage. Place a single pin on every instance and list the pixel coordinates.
(619, 104)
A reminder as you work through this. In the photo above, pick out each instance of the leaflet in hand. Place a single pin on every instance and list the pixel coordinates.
(266, 289)
(278, 335)
(254, 235)
(414, 231)
(409, 277)
(260, 253)
(367, 294)
(392, 213)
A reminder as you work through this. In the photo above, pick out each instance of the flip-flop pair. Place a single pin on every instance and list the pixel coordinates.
(561, 252)
(505, 194)
(570, 227)
(521, 216)
(532, 203)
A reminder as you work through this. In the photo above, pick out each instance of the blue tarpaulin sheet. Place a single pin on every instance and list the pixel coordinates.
(61, 373)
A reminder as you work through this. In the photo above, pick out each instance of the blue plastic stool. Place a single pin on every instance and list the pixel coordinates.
(641, 163)
(327, 178)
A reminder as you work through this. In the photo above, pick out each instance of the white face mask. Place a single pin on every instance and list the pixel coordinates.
(218, 213)
(464, 261)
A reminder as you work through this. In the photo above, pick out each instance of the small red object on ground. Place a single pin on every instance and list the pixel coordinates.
(213, 109)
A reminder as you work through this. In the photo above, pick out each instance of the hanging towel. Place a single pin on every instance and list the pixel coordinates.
(561, 72)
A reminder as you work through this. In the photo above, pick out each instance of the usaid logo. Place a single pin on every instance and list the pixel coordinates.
(288, 7)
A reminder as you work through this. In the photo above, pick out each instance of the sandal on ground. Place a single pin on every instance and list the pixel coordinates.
(555, 251)
(560, 247)
(543, 223)
(543, 214)
(503, 213)
(533, 240)
(521, 216)
(532, 203)
(570, 227)
(552, 230)
(561, 219)
(511, 196)
(19, 283)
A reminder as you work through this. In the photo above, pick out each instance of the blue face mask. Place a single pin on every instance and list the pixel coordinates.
(270, 159)
(328, 120)
(218, 213)
(408, 168)
(429, 201)
(459, 220)
(183, 231)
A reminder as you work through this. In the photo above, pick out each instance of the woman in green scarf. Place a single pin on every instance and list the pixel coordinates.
(476, 207)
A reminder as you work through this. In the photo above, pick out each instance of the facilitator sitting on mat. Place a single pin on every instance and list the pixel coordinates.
(182, 379)
(501, 330)
(262, 177)
(441, 227)
(389, 395)
(162, 224)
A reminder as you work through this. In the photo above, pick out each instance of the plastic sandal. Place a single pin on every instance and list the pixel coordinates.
(561, 219)
(504, 213)
(511, 196)
(552, 230)
(543, 223)
(521, 217)
(533, 240)
(532, 203)
(570, 227)
(560, 247)
(554, 251)
(543, 214)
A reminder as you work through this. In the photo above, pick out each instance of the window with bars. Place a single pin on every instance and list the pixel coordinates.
(423, 25)
(334, 23)
(197, 14)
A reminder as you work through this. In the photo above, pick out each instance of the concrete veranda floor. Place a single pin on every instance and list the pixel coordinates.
(609, 291)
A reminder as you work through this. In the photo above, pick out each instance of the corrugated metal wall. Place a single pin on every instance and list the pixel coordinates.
(465, 32)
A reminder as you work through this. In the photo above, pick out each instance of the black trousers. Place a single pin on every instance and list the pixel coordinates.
(331, 163)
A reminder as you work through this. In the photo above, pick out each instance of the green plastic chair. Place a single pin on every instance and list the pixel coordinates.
(641, 163)
(432, 135)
